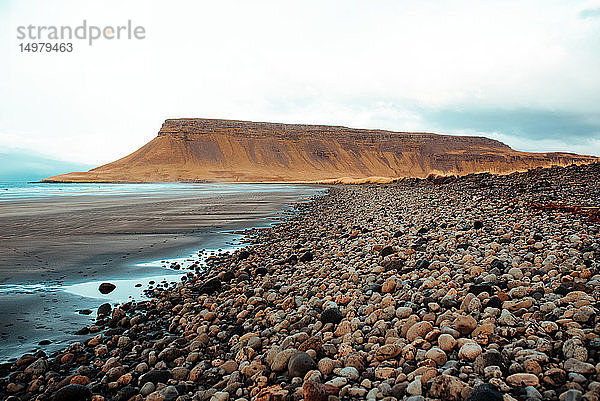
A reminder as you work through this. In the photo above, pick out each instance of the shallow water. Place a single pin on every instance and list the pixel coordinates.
(68, 307)
(134, 288)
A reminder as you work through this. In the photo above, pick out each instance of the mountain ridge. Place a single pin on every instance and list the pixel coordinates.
(211, 150)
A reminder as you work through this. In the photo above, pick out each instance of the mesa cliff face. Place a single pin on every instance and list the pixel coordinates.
(242, 151)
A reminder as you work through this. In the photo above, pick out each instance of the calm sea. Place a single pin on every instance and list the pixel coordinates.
(10, 191)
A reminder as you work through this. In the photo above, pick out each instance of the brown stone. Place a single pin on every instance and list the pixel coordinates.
(419, 329)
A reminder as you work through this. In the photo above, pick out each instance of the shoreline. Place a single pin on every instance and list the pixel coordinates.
(84, 230)
(34, 302)
(445, 290)
(74, 304)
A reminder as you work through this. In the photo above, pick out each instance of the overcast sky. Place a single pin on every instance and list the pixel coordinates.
(524, 72)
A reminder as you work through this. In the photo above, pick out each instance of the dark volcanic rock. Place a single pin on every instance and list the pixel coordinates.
(106, 288)
(125, 393)
(375, 287)
(261, 271)
(386, 251)
(73, 392)
(227, 276)
(568, 287)
(479, 288)
(244, 254)
(155, 376)
(306, 257)
(489, 358)
(291, 260)
(210, 286)
(494, 302)
(83, 331)
(331, 315)
(236, 330)
(498, 264)
(485, 392)
(104, 309)
(393, 264)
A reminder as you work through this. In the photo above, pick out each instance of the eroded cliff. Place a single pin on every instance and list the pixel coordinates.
(242, 151)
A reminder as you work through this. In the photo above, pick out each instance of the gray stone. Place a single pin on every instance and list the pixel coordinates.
(577, 366)
(571, 395)
(507, 319)
(300, 363)
(574, 348)
(281, 359)
(447, 387)
(350, 373)
(577, 378)
(415, 387)
(532, 394)
(147, 388)
(37, 368)
(220, 396)
(170, 393)
(155, 376)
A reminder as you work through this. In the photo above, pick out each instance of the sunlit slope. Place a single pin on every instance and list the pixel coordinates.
(241, 151)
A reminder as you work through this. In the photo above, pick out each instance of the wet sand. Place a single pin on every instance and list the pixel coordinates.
(48, 245)
(85, 235)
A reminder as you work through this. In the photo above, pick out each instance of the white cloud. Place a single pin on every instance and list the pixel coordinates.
(585, 147)
(313, 62)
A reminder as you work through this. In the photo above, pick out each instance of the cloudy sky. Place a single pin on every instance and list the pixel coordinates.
(524, 72)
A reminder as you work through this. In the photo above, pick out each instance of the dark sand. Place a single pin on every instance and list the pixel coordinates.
(67, 240)
(56, 237)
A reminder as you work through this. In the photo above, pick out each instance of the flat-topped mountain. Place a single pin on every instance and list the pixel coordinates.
(241, 151)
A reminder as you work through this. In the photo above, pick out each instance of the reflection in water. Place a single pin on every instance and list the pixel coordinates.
(126, 289)
(47, 315)
(134, 289)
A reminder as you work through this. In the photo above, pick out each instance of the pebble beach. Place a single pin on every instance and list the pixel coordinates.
(481, 287)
